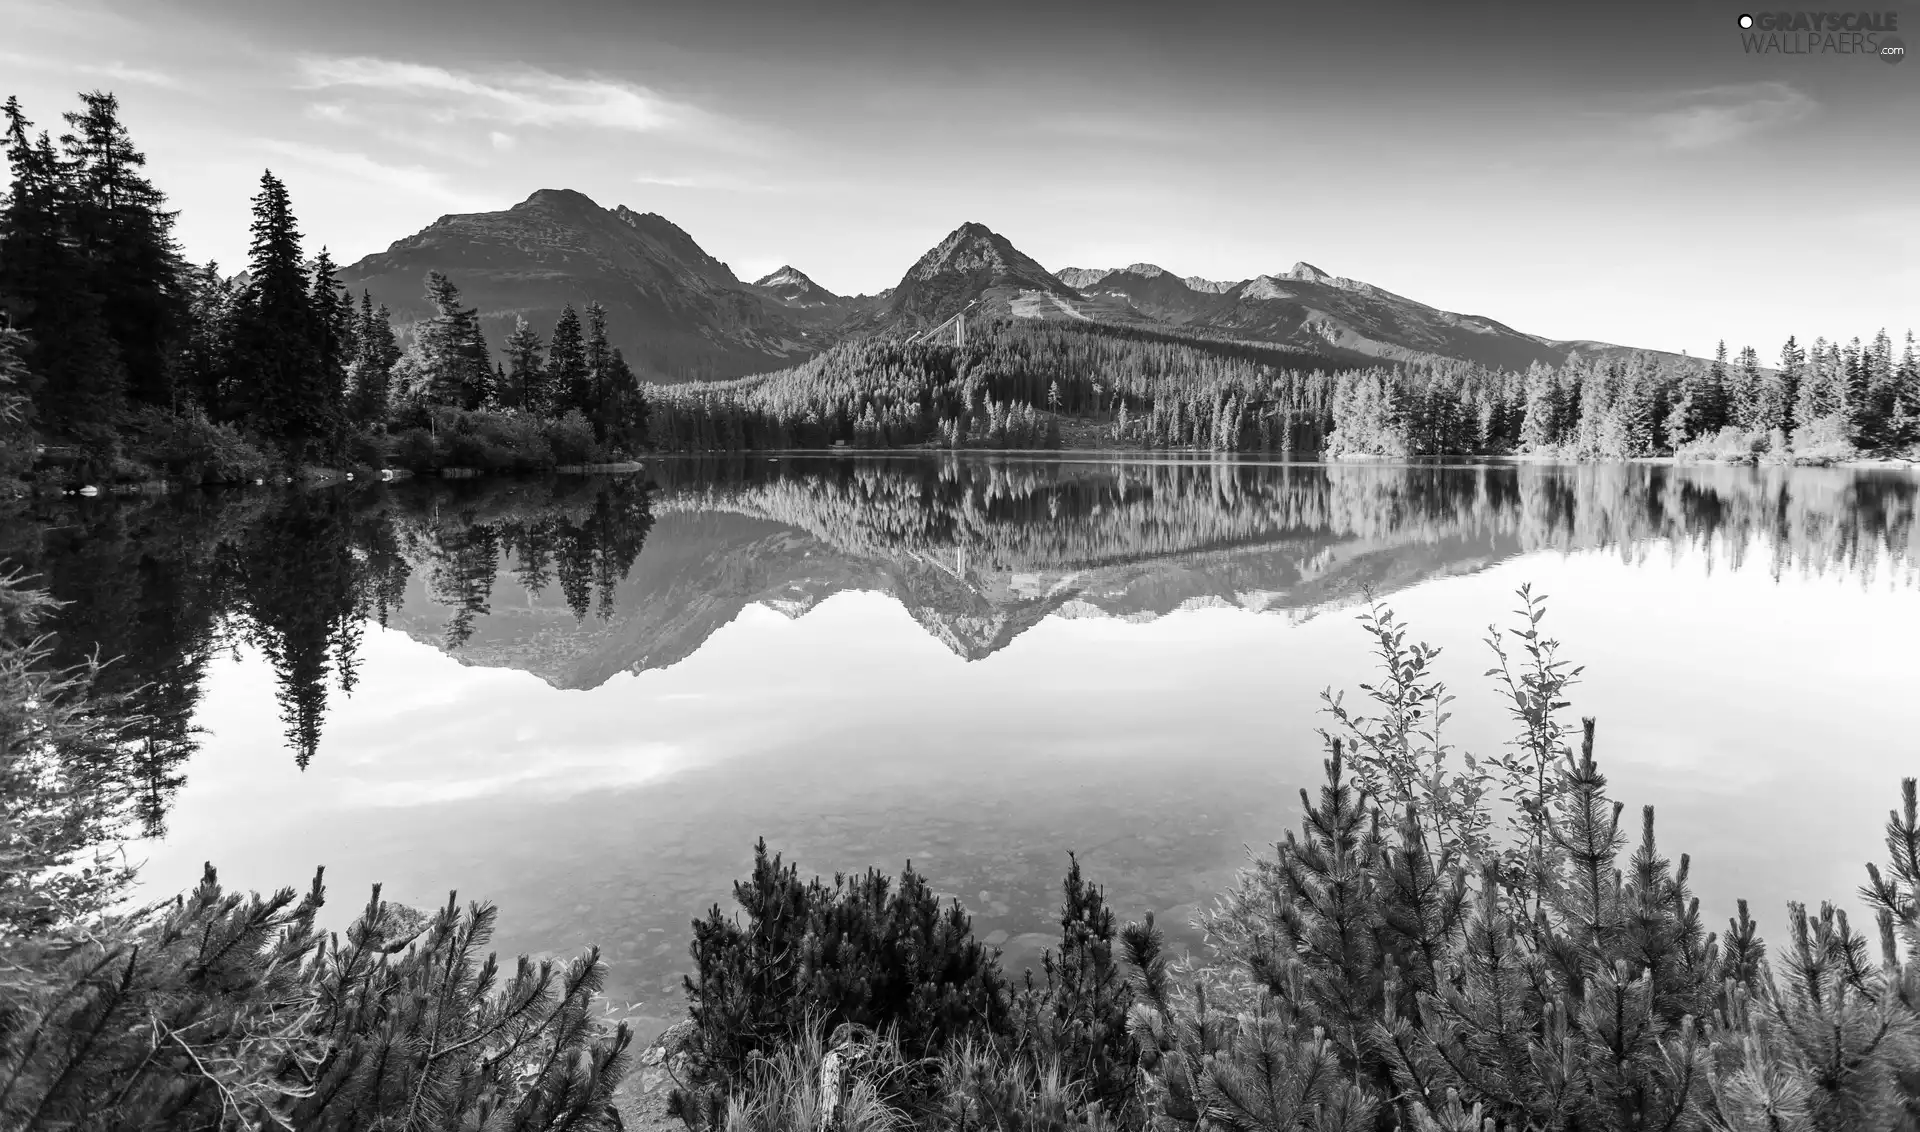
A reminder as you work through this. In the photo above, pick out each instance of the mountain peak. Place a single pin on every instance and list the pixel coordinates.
(558, 198)
(972, 263)
(1081, 278)
(791, 285)
(1305, 272)
(786, 273)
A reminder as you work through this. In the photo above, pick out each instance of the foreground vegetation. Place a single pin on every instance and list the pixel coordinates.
(1448, 943)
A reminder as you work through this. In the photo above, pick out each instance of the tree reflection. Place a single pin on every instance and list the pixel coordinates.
(161, 586)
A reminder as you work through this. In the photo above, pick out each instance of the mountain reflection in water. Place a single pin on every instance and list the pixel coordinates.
(577, 580)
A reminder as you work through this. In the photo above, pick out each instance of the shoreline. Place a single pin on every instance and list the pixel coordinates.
(311, 477)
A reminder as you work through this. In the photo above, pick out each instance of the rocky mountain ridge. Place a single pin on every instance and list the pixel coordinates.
(680, 313)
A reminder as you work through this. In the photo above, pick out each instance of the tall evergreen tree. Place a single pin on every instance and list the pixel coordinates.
(600, 397)
(1714, 405)
(124, 233)
(1753, 407)
(333, 331)
(526, 382)
(77, 381)
(459, 369)
(1793, 362)
(205, 375)
(567, 374)
(279, 382)
(370, 375)
(626, 412)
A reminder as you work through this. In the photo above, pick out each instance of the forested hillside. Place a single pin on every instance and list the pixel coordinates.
(1032, 384)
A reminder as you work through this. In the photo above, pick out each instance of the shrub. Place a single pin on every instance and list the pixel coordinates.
(366, 449)
(571, 439)
(517, 440)
(1731, 445)
(861, 951)
(1823, 440)
(190, 448)
(414, 450)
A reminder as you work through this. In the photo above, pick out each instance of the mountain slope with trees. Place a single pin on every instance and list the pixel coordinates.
(675, 311)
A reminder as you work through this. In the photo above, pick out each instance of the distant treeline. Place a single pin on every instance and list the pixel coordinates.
(1020, 384)
(1012, 386)
(139, 363)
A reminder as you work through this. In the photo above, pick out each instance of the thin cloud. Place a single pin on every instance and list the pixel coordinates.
(1720, 115)
(516, 97)
(718, 182)
(358, 167)
(112, 71)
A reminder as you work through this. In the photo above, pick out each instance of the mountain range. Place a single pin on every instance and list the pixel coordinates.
(678, 313)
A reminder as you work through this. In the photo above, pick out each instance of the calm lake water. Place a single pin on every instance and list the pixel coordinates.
(584, 699)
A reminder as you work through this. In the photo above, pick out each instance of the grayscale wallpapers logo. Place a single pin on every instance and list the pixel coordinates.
(1823, 33)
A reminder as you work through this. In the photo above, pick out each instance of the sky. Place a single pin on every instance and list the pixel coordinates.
(1624, 172)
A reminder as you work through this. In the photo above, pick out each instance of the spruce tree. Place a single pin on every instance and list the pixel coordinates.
(333, 333)
(280, 383)
(526, 381)
(205, 375)
(459, 370)
(48, 289)
(567, 373)
(125, 235)
(599, 398)
(370, 375)
(1793, 361)
(1075, 1017)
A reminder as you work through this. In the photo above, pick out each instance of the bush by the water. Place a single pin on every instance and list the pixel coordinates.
(503, 441)
(189, 448)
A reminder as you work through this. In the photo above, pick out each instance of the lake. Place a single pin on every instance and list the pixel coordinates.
(584, 699)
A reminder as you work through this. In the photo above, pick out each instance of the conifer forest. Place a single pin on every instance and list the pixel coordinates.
(1070, 724)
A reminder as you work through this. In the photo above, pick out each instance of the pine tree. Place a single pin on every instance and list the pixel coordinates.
(459, 371)
(47, 287)
(1540, 422)
(334, 345)
(1793, 361)
(597, 398)
(628, 412)
(279, 380)
(370, 376)
(526, 381)
(1075, 1017)
(1754, 407)
(567, 372)
(1714, 403)
(125, 235)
